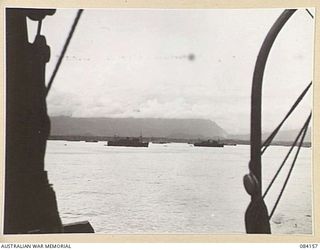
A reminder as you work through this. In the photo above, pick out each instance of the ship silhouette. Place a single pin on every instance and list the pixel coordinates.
(128, 142)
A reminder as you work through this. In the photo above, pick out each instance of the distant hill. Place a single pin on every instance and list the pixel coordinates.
(284, 136)
(132, 127)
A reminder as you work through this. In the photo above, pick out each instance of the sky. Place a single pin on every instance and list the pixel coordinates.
(178, 63)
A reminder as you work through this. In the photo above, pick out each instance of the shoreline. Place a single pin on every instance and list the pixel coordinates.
(226, 142)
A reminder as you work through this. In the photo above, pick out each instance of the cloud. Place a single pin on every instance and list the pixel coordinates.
(125, 63)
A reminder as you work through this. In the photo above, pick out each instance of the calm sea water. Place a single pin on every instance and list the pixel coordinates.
(172, 188)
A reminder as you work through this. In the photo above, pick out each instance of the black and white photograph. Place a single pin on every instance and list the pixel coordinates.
(158, 121)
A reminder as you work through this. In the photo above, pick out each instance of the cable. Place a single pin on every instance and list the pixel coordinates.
(39, 27)
(285, 159)
(267, 142)
(309, 13)
(291, 168)
(74, 25)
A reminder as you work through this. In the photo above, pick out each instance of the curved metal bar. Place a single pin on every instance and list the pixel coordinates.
(255, 134)
(256, 216)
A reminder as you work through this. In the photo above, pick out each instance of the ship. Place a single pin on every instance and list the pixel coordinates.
(128, 142)
(160, 142)
(209, 143)
(91, 140)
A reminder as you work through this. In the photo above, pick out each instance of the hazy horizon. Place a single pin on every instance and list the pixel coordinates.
(227, 132)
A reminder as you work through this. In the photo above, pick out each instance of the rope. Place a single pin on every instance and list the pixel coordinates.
(292, 165)
(74, 25)
(267, 142)
(309, 13)
(285, 159)
(39, 28)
